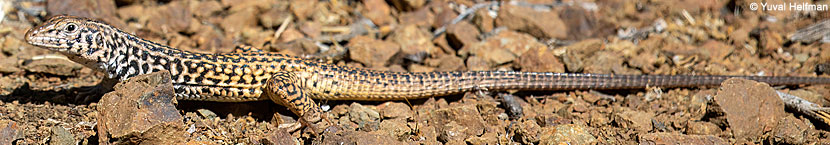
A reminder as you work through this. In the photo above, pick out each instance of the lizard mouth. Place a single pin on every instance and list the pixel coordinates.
(49, 42)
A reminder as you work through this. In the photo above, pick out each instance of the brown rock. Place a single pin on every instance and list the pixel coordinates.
(274, 17)
(581, 24)
(357, 137)
(751, 108)
(10, 132)
(366, 118)
(311, 29)
(95, 9)
(8, 65)
(447, 63)
(61, 136)
(566, 134)
(395, 127)
(669, 138)
(539, 23)
(235, 22)
(487, 138)
(209, 39)
(282, 137)
(62, 67)
(502, 48)
(457, 122)
(371, 52)
(413, 40)
(526, 132)
(420, 18)
(484, 20)
(207, 8)
(141, 109)
(420, 68)
(302, 8)
(395, 110)
(791, 130)
(475, 63)
(540, 59)
(10, 83)
(462, 34)
(716, 50)
(702, 128)
(170, 18)
(378, 11)
(638, 120)
(577, 53)
(408, 5)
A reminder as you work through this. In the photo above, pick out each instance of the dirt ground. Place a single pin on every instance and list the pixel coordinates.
(39, 89)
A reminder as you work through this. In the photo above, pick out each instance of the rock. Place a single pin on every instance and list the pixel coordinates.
(61, 67)
(526, 132)
(8, 65)
(413, 41)
(95, 9)
(371, 52)
(751, 108)
(274, 17)
(366, 118)
(484, 20)
(670, 138)
(715, 50)
(12, 46)
(581, 23)
(457, 122)
(10, 83)
(475, 63)
(356, 137)
(566, 134)
(234, 23)
(407, 5)
(311, 29)
(502, 48)
(606, 62)
(540, 59)
(170, 18)
(420, 18)
(539, 23)
(487, 138)
(207, 8)
(61, 136)
(281, 137)
(395, 127)
(637, 120)
(10, 132)
(394, 110)
(462, 34)
(302, 8)
(576, 54)
(791, 130)
(447, 63)
(378, 11)
(141, 110)
(702, 128)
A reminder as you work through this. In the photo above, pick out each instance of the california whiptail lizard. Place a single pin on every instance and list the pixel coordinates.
(250, 74)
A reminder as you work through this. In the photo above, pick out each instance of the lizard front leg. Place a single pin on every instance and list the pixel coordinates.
(285, 88)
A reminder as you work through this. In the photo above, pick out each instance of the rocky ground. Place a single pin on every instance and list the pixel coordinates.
(39, 88)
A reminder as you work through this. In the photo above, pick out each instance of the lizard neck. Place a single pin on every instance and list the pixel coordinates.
(131, 56)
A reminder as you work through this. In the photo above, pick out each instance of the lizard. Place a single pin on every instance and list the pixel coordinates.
(250, 74)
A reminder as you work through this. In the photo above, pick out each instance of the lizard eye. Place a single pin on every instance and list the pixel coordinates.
(70, 28)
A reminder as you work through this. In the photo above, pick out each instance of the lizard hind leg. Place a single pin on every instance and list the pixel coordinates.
(286, 89)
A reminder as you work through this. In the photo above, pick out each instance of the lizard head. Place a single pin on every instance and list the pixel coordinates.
(78, 38)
